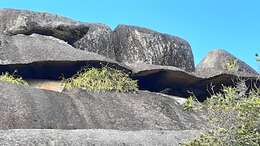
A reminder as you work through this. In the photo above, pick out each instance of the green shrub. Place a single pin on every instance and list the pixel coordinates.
(6, 77)
(234, 119)
(189, 104)
(103, 79)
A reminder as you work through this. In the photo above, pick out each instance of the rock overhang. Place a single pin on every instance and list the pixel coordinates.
(22, 51)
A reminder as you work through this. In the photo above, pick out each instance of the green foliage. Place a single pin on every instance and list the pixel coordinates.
(189, 104)
(104, 79)
(231, 64)
(204, 140)
(234, 118)
(6, 77)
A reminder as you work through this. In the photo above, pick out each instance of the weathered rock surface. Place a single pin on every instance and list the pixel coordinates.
(98, 40)
(92, 37)
(135, 44)
(23, 107)
(216, 63)
(38, 56)
(48, 137)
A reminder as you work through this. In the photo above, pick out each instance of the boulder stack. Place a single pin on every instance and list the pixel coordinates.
(44, 48)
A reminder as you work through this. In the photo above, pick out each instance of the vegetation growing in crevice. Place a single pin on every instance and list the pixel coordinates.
(234, 119)
(14, 79)
(188, 105)
(192, 104)
(231, 64)
(102, 79)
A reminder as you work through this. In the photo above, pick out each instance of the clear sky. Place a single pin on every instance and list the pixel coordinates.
(233, 25)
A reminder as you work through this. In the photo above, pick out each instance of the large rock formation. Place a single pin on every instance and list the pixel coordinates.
(126, 44)
(86, 36)
(23, 107)
(135, 44)
(94, 137)
(41, 48)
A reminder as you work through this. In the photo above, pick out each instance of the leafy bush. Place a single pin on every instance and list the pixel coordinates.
(103, 79)
(6, 77)
(234, 118)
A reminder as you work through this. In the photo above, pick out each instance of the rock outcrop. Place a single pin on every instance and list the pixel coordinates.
(135, 44)
(92, 37)
(42, 48)
(220, 61)
(23, 107)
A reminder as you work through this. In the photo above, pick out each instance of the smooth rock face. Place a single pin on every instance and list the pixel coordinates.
(216, 61)
(48, 137)
(135, 44)
(92, 37)
(28, 108)
(34, 48)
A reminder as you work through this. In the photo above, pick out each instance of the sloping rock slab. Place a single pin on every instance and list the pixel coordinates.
(135, 44)
(135, 111)
(92, 37)
(174, 81)
(39, 56)
(22, 107)
(34, 48)
(48, 137)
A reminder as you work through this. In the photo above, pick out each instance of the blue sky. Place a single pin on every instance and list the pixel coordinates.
(233, 25)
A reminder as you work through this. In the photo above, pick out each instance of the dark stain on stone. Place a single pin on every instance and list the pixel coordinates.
(69, 34)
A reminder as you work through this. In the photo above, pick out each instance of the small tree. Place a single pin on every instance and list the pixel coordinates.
(257, 57)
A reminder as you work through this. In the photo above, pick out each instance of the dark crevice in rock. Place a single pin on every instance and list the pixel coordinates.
(169, 82)
(69, 34)
(215, 84)
(54, 70)
(175, 83)
(184, 85)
